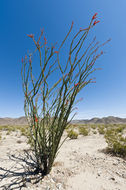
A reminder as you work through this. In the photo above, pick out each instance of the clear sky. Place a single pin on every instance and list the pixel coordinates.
(17, 18)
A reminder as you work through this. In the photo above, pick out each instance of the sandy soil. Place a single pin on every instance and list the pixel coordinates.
(80, 165)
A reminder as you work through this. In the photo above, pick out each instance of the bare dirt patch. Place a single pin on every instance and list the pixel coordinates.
(80, 165)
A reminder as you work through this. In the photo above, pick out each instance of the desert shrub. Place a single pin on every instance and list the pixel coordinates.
(101, 130)
(8, 133)
(95, 132)
(93, 126)
(23, 131)
(83, 131)
(49, 100)
(72, 134)
(120, 128)
(116, 141)
(9, 129)
(4, 128)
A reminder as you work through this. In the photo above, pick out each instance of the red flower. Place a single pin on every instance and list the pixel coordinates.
(45, 40)
(30, 60)
(72, 24)
(30, 35)
(76, 84)
(95, 22)
(26, 94)
(56, 52)
(101, 52)
(22, 60)
(94, 16)
(36, 119)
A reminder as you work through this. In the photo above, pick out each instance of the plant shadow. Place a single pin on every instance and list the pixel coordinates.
(24, 172)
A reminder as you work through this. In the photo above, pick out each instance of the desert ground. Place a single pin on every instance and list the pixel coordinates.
(81, 164)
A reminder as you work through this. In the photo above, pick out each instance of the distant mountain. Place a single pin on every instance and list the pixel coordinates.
(13, 121)
(104, 120)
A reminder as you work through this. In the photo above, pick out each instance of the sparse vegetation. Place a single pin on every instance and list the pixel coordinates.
(83, 131)
(116, 139)
(101, 129)
(93, 126)
(72, 134)
(95, 132)
(9, 129)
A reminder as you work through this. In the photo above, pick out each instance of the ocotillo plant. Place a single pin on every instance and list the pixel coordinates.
(48, 106)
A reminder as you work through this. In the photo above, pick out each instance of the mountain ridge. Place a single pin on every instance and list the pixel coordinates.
(96, 120)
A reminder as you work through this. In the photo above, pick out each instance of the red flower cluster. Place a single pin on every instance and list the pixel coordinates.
(72, 24)
(56, 52)
(101, 52)
(36, 119)
(95, 22)
(30, 35)
(76, 84)
(94, 17)
(45, 40)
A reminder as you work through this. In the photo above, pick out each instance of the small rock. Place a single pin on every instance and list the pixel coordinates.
(52, 180)
(58, 171)
(75, 151)
(59, 185)
(112, 178)
(99, 173)
(124, 175)
(115, 163)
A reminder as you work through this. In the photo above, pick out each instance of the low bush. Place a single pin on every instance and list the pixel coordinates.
(101, 130)
(93, 126)
(116, 141)
(72, 134)
(83, 131)
(95, 132)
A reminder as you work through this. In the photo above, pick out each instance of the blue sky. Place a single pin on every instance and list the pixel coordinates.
(17, 18)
